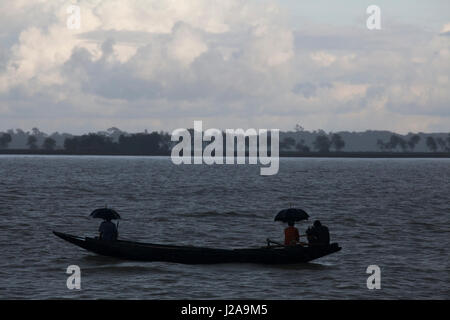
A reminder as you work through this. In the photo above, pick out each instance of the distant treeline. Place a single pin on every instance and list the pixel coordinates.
(115, 141)
(433, 144)
(138, 143)
(326, 143)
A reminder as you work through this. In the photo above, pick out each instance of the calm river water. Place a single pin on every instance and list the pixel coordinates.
(393, 213)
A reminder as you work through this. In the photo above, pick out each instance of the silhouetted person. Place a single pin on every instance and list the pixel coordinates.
(318, 234)
(108, 230)
(291, 235)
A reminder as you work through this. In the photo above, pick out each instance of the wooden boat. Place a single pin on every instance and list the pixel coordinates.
(138, 251)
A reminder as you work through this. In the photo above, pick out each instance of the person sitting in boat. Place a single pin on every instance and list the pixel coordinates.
(291, 235)
(318, 234)
(108, 230)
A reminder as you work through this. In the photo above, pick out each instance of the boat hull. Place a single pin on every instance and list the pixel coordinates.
(137, 251)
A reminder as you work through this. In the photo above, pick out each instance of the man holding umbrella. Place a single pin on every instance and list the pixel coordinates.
(107, 230)
(291, 215)
(291, 235)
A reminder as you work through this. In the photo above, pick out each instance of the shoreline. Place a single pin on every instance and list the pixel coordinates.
(365, 154)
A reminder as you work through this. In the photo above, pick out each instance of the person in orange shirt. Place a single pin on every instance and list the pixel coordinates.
(291, 235)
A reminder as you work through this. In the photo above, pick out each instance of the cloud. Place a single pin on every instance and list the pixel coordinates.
(135, 65)
(322, 58)
(445, 31)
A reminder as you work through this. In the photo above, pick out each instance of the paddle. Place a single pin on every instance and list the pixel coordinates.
(282, 245)
(271, 241)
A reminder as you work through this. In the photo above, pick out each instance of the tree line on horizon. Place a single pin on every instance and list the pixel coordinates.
(325, 143)
(158, 143)
(154, 143)
(433, 144)
(322, 143)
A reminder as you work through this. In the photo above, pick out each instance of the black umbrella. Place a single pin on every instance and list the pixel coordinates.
(291, 214)
(105, 213)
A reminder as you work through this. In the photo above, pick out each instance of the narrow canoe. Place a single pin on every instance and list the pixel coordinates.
(138, 251)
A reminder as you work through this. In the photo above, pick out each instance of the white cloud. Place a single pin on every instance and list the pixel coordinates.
(445, 28)
(322, 58)
(166, 63)
(185, 45)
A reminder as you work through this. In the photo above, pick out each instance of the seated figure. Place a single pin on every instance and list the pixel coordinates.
(318, 234)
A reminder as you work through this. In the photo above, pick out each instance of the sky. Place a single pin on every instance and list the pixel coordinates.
(160, 65)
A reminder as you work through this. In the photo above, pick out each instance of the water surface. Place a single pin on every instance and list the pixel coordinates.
(390, 212)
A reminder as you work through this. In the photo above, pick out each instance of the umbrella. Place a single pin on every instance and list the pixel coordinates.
(105, 213)
(291, 214)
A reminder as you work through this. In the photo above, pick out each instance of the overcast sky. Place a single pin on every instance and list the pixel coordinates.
(160, 65)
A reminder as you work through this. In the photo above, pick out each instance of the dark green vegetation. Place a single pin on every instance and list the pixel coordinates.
(292, 143)
(136, 144)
